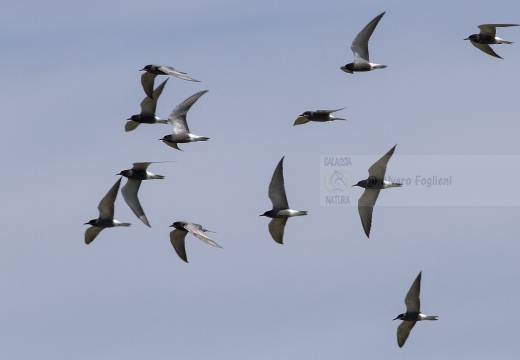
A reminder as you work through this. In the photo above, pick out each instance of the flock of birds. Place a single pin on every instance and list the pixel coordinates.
(281, 211)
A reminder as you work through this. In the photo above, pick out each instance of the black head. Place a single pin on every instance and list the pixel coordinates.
(91, 222)
(179, 225)
(399, 317)
(473, 37)
(361, 183)
(135, 117)
(306, 114)
(146, 68)
(349, 68)
(126, 173)
(267, 213)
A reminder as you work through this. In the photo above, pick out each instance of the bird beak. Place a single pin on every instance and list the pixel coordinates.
(262, 215)
(86, 224)
(466, 39)
(394, 319)
(142, 69)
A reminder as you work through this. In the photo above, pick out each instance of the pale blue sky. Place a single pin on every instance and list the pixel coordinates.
(70, 80)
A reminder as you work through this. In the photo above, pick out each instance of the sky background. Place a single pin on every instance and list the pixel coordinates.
(70, 80)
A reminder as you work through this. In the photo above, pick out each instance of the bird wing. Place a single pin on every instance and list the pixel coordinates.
(131, 125)
(366, 204)
(198, 232)
(327, 111)
(178, 115)
(276, 229)
(301, 120)
(412, 301)
(106, 205)
(360, 44)
(178, 74)
(149, 104)
(277, 188)
(91, 233)
(378, 170)
(147, 80)
(141, 165)
(177, 239)
(403, 330)
(486, 48)
(129, 192)
(490, 29)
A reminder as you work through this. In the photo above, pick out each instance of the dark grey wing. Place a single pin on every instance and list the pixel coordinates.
(486, 48)
(403, 331)
(198, 232)
(106, 205)
(366, 204)
(412, 301)
(360, 44)
(178, 74)
(149, 104)
(301, 120)
(378, 170)
(276, 229)
(178, 115)
(131, 125)
(91, 233)
(147, 80)
(141, 165)
(327, 111)
(177, 239)
(490, 29)
(129, 192)
(277, 188)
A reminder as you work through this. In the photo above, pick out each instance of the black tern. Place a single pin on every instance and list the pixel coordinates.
(372, 185)
(135, 175)
(181, 132)
(151, 71)
(318, 116)
(413, 312)
(147, 115)
(178, 235)
(488, 36)
(360, 49)
(280, 212)
(106, 215)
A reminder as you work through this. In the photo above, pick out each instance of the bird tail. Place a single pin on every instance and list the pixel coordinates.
(156, 177)
(502, 41)
(378, 66)
(393, 185)
(430, 317)
(198, 138)
(162, 121)
(301, 213)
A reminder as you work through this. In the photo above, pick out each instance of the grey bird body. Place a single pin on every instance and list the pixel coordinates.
(135, 176)
(317, 116)
(281, 211)
(372, 186)
(106, 215)
(178, 236)
(360, 49)
(181, 132)
(151, 72)
(413, 312)
(488, 36)
(148, 106)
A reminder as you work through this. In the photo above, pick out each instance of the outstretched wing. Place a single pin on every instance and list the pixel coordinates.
(360, 44)
(277, 188)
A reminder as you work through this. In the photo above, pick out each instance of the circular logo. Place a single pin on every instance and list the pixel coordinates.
(337, 181)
